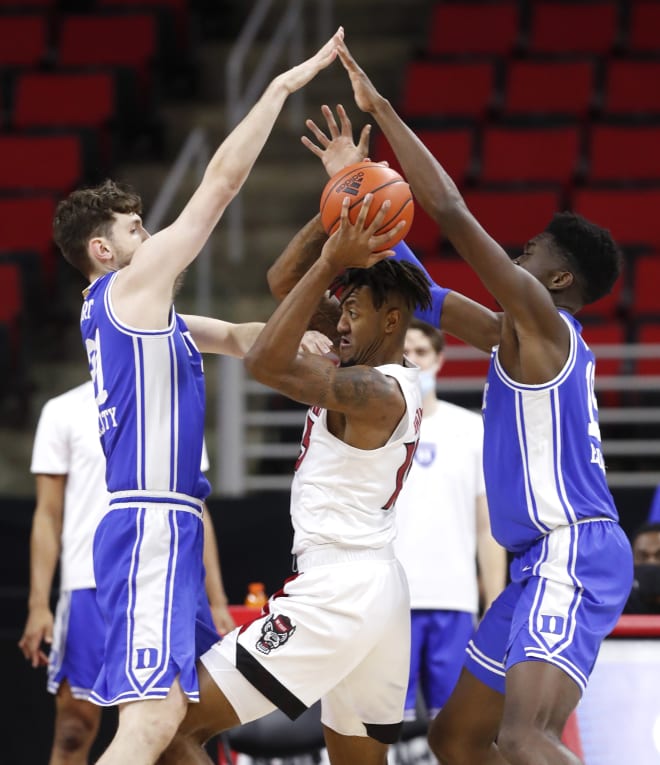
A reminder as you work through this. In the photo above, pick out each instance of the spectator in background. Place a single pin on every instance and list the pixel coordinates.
(69, 469)
(645, 594)
(443, 531)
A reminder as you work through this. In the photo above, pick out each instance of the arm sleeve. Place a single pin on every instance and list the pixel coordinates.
(433, 314)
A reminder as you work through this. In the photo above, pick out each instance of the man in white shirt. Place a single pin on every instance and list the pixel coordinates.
(443, 532)
(69, 469)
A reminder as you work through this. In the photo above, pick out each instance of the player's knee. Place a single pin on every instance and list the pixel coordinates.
(73, 735)
(516, 743)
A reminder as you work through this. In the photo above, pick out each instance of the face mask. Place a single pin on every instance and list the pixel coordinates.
(427, 381)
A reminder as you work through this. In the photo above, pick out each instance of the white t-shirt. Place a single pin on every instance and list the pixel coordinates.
(436, 511)
(67, 443)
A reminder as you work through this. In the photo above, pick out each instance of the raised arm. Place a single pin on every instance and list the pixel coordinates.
(454, 313)
(521, 296)
(161, 258)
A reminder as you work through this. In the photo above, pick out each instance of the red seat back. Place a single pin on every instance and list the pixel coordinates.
(63, 100)
(447, 89)
(540, 87)
(41, 163)
(26, 224)
(23, 40)
(478, 27)
(531, 154)
(624, 153)
(631, 215)
(561, 27)
(644, 27)
(632, 87)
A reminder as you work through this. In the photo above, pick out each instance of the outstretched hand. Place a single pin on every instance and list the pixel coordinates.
(357, 245)
(337, 150)
(300, 75)
(364, 91)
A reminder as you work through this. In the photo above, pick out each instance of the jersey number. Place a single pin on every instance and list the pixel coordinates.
(402, 474)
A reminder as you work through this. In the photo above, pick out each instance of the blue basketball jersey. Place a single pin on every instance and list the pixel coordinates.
(149, 387)
(543, 463)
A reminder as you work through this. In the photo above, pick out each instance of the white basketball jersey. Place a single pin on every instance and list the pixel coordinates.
(67, 443)
(344, 496)
(436, 538)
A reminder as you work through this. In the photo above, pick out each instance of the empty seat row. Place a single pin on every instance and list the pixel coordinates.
(560, 155)
(543, 26)
(470, 89)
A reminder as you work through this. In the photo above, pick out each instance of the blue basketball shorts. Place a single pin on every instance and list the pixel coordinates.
(438, 641)
(566, 594)
(76, 654)
(150, 589)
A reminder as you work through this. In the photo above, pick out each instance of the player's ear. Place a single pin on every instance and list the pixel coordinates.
(98, 249)
(561, 280)
(393, 320)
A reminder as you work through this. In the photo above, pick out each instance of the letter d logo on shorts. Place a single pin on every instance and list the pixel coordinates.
(146, 658)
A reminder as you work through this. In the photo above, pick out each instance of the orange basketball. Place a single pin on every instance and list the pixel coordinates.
(354, 182)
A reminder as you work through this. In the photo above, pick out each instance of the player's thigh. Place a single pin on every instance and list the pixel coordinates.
(212, 714)
(472, 714)
(538, 695)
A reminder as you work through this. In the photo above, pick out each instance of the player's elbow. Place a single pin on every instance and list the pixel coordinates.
(276, 284)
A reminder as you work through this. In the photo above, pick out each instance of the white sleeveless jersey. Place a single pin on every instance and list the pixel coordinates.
(67, 443)
(344, 496)
(436, 515)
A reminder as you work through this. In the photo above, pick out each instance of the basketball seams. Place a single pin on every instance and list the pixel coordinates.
(393, 213)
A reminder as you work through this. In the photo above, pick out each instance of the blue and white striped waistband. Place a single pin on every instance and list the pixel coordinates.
(143, 498)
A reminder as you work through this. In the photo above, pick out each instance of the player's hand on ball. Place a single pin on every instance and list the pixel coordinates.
(337, 149)
(357, 245)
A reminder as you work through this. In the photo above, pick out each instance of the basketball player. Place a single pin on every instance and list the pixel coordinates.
(69, 469)
(146, 367)
(545, 474)
(443, 532)
(339, 629)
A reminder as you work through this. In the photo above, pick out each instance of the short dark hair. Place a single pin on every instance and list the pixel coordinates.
(435, 336)
(591, 252)
(87, 213)
(389, 277)
(645, 528)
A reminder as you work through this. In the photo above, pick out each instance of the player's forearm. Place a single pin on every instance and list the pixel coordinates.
(432, 186)
(276, 348)
(296, 259)
(44, 555)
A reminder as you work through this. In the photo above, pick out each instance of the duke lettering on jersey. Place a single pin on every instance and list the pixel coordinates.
(149, 389)
(548, 438)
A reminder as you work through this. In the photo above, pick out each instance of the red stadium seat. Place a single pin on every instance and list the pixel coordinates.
(132, 38)
(40, 163)
(606, 333)
(424, 236)
(513, 217)
(561, 27)
(646, 283)
(23, 40)
(631, 215)
(26, 224)
(63, 100)
(24, 4)
(644, 27)
(530, 154)
(632, 87)
(648, 333)
(624, 153)
(11, 298)
(471, 362)
(450, 89)
(452, 147)
(456, 274)
(476, 27)
(177, 11)
(541, 87)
